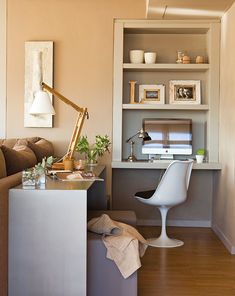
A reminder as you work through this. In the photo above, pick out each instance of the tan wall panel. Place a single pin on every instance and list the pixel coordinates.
(82, 32)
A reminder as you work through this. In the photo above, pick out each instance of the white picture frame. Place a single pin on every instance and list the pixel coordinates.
(152, 93)
(185, 92)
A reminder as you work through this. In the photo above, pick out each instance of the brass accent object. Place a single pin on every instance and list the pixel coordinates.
(132, 91)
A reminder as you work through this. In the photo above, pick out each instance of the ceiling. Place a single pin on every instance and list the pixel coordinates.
(187, 9)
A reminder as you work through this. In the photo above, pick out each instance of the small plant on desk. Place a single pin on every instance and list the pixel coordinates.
(92, 152)
(200, 155)
(40, 169)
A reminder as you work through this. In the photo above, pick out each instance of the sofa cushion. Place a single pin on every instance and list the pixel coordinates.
(12, 141)
(19, 158)
(41, 148)
(8, 142)
(3, 171)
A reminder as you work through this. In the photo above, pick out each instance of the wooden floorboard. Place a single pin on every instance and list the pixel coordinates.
(201, 267)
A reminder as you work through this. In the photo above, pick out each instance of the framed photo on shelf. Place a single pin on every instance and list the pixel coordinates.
(185, 92)
(152, 94)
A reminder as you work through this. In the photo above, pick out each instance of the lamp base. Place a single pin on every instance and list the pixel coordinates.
(131, 158)
(58, 166)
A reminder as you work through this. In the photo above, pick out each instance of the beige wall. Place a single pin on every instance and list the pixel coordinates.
(3, 68)
(82, 32)
(224, 199)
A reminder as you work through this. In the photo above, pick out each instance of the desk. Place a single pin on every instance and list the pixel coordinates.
(48, 236)
(162, 164)
(131, 177)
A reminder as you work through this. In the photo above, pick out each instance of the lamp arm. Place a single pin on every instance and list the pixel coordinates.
(62, 98)
(82, 114)
(132, 137)
(76, 133)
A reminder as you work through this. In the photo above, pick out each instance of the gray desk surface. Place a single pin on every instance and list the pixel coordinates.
(162, 164)
(54, 184)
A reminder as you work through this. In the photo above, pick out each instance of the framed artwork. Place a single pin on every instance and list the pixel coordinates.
(185, 92)
(152, 94)
(38, 67)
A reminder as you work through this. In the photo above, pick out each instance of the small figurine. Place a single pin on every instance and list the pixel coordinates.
(186, 59)
(180, 55)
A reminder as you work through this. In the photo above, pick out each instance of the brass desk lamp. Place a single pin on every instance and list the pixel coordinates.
(42, 105)
(142, 135)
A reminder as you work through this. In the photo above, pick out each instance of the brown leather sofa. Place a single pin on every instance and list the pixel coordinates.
(15, 156)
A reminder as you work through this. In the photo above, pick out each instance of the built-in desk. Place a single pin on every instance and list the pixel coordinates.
(48, 236)
(162, 164)
(131, 177)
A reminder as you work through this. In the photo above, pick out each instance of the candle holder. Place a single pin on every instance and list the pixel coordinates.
(28, 179)
(132, 91)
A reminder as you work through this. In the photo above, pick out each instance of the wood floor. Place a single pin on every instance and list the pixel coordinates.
(202, 267)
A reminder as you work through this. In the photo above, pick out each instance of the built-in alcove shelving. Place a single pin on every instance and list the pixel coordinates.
(166, 38)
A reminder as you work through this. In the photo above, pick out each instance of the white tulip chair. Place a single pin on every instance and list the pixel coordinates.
(171, 191)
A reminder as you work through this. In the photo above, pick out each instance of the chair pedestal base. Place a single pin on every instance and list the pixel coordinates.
(165, 242)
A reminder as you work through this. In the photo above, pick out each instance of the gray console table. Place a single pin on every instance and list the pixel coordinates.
(48, 236)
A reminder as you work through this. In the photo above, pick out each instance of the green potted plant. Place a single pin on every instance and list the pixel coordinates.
(200, 155)
(40, 169)
(93, 151)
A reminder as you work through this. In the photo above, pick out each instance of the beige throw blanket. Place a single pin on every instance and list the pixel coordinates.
(125, 245)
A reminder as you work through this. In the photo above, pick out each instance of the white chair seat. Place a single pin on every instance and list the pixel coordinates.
(171, 191)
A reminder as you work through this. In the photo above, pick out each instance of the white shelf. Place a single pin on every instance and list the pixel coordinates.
(165, 67)
(162, 164)
(139, 106)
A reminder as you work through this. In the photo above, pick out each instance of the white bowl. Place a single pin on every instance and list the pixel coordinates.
(136, 56)
(150, 57)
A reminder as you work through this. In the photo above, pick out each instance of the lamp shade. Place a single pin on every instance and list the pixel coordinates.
(144, 135)
(42, 104)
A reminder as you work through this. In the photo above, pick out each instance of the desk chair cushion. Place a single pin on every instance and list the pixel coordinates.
(145, 194)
